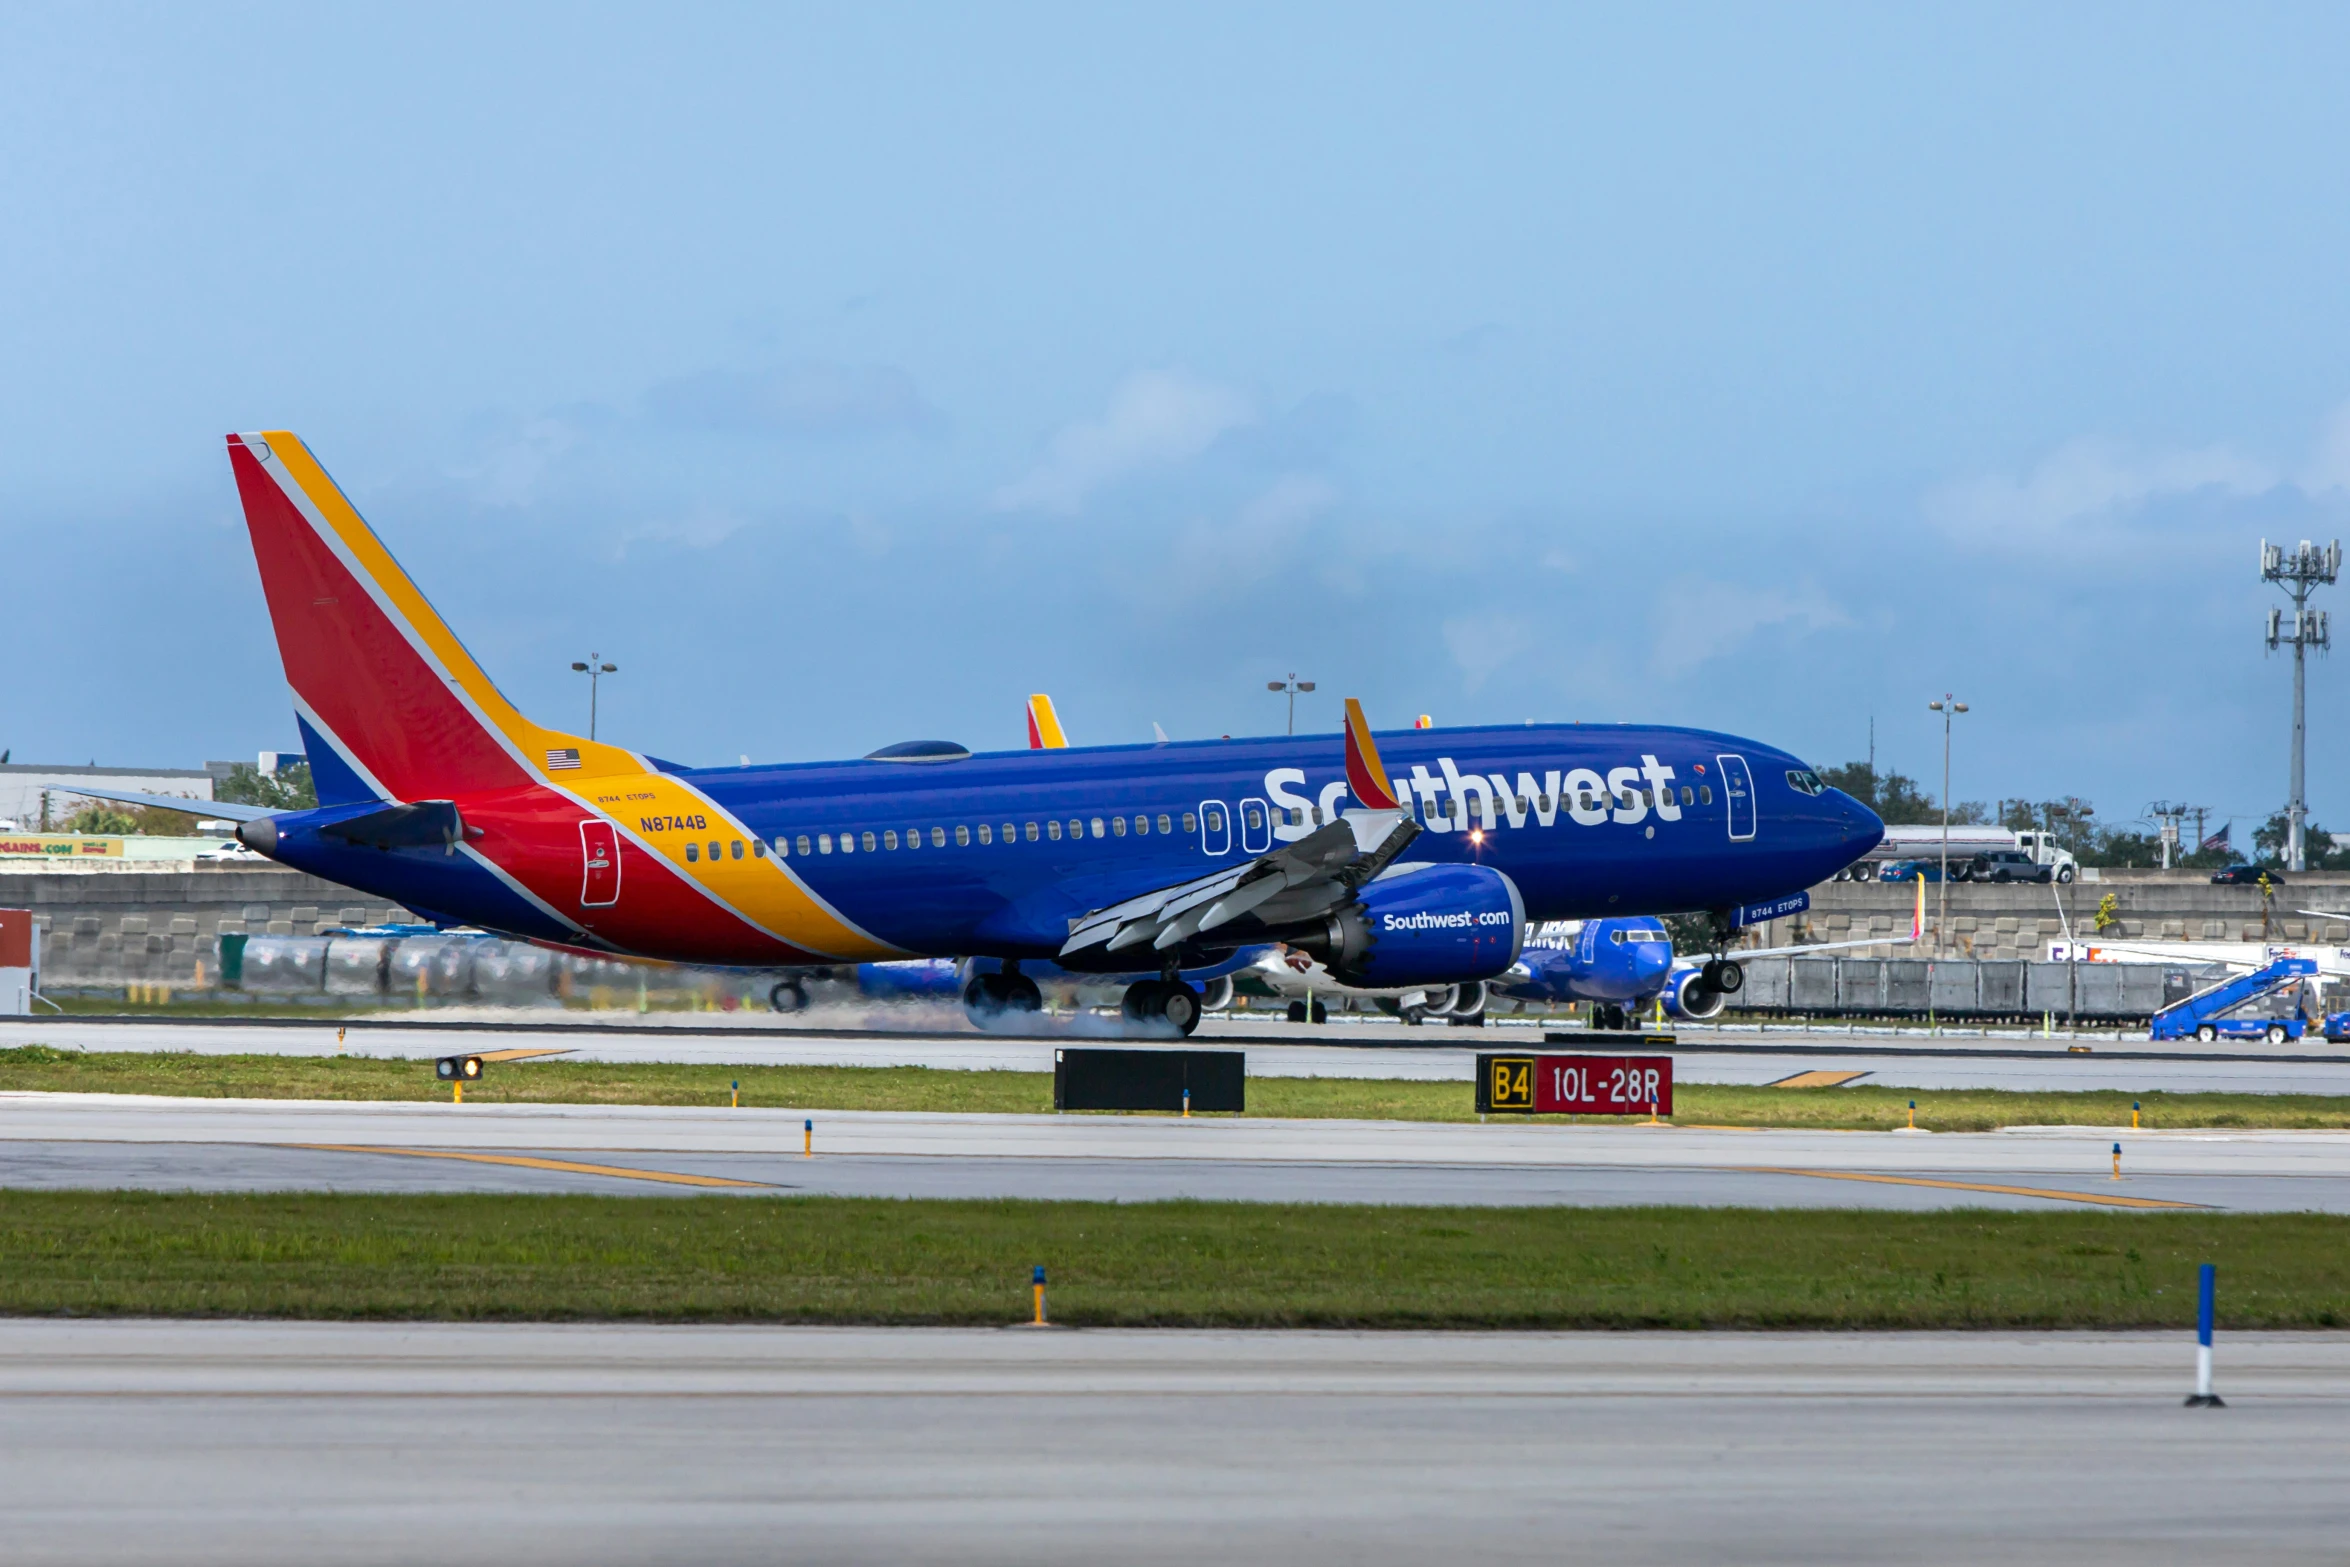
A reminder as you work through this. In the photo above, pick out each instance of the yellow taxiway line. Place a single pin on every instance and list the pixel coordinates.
(2100, 1199)
(1816, 1080)
(525, 1161)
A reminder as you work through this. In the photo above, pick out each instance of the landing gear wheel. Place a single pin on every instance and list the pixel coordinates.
(1321, 1013)
(1297, 1012)
(1162, 1001)
(1179, 1005)
(789, 995)
(989, 997)
(1723, 975)
(2207, 1034)
(1608, 1018)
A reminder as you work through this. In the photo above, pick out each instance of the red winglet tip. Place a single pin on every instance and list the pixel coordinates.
(1366, 776)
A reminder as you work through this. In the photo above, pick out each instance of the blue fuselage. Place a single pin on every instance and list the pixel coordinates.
(995, 854)
(1591, 837)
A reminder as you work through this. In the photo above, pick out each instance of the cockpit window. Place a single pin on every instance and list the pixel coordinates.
(1805, 781)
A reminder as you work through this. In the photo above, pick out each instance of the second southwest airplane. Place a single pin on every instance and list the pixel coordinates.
(1416, 856)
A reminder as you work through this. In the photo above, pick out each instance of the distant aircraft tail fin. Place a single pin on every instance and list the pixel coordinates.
(1366, 775)
(391, 705)
(1044, 725)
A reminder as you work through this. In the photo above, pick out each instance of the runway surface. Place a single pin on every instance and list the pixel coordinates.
(112, 1140)
(257, 1443)
(1371, 1050)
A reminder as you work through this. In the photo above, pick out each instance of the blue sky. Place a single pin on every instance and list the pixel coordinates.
(846, 375)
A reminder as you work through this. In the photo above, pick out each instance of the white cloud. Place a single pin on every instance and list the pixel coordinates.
(1293, 500)
(1267, 537)
(1156, 419)
(705, 527)
(2329, 461)
(1483, 644)
(2086, 482)
(800, 399)
(1699, 620)
(509, 474)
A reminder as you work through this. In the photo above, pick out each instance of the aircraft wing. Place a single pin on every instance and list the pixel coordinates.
(220, 810)
(1297, 881)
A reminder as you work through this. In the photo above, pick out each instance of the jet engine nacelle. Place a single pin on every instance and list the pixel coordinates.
(1688, 995)
(1423, 925)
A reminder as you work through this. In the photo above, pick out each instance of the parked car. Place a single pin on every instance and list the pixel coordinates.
(1911, 870)
(2004, 865)
(2243, 875)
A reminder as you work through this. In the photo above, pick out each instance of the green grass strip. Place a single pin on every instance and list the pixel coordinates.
(558, 1081)
(1183, 1264)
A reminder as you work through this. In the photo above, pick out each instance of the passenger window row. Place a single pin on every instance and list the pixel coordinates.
(1056, 829)
(1053, 830)
(718, 848)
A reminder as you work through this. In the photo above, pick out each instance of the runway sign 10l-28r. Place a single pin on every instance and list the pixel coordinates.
(1574, 1085)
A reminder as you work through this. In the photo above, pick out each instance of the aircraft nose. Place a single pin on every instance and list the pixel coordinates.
(1862, 828)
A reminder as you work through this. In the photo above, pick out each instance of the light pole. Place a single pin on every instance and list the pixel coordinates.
(2297, 573)
(1949, 708)
(595, 669)
(1293, 686)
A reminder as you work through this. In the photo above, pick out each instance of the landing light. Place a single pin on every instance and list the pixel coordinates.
(1476, 835)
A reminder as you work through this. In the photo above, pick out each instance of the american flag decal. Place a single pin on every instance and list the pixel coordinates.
(562, 761)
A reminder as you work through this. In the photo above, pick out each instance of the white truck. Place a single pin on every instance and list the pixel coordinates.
(1923, 841)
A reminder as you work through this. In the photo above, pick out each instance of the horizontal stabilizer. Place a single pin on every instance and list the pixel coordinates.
(220, 810)
(427, 824)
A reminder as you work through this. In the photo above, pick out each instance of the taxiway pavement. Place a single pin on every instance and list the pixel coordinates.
(1368, 1050)
(258, 1443)
(121, 1140)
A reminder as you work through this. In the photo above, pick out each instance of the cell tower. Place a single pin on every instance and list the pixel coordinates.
(2299, 574)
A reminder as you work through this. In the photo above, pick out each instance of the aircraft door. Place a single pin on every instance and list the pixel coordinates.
(1256, 827)
(1215, 828)
(599, 850)
(1738, 791)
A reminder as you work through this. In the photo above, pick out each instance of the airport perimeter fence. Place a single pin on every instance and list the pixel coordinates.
(1972, 988)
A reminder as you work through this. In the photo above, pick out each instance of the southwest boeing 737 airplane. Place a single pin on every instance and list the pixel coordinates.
(1413, 857)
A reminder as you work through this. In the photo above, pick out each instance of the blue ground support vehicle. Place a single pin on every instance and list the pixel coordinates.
(2243, 1006)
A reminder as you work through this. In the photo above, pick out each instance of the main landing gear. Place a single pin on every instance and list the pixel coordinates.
(789, 995)
(992, 999)
(1162, 1001)
(1297, 1012)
